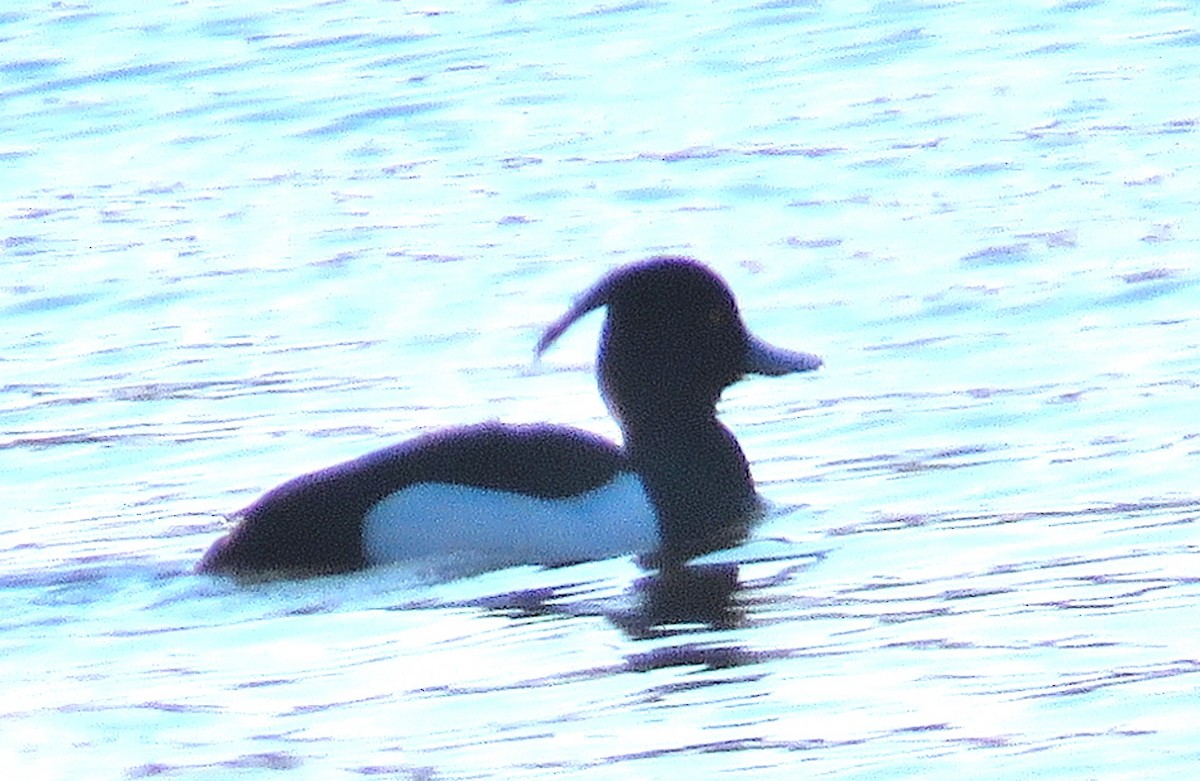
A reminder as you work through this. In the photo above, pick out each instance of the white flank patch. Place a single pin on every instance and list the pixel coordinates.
(499, 529)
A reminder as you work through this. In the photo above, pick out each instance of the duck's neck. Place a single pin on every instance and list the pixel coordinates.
(698, 479)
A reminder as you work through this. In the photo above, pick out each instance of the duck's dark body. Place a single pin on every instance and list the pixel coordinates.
(314, 523)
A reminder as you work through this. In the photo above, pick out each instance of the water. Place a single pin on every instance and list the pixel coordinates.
(240, 244)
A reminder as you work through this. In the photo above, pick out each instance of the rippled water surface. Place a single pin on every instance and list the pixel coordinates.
(239, 244)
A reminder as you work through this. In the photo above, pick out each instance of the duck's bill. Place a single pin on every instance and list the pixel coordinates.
(763, 358)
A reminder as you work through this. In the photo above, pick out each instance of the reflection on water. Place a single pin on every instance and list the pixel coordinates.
(679, 600)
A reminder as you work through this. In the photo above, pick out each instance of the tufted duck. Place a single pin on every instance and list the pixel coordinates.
(495, 495)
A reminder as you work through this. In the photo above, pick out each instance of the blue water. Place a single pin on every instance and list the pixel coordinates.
(236, 245)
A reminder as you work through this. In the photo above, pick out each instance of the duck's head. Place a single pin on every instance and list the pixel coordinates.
(672, 341)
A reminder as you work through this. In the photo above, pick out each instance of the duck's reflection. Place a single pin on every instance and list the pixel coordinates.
(684, 602)
(683, 599)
